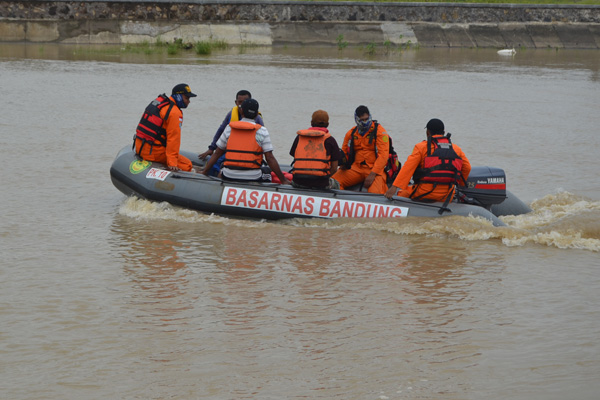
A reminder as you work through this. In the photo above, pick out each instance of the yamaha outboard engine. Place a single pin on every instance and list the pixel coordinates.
(485, 187)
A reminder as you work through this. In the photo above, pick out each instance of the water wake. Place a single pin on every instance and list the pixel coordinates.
(145, 210)
(562, 220)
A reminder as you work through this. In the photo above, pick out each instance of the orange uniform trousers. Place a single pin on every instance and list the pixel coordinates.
(357, 174)
(158, 153)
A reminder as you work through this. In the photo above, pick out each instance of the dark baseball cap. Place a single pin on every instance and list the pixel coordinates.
(435, 125)
(250, 108)
(183, 88)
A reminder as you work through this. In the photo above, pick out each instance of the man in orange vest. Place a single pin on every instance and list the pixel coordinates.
(158, 135)
(316, 154)
(366, 148)
(244, 143)
(436, 165)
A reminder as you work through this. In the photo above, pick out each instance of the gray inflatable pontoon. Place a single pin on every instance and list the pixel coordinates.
(151, 181)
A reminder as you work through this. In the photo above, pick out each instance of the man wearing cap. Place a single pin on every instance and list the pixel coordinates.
(366, 150)
(158, 135)
(233, 115)
(436, 165)
(244, 143)
(316, 154)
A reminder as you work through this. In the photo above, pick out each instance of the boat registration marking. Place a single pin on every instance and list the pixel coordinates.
(157, 173)
(307, 205)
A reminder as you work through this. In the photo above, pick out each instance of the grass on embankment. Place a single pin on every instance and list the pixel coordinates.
(160, 47)
(201, 47)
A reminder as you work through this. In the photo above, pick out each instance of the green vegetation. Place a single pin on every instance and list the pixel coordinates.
(371, 48)
(158, 47)
(206, 47)
(388, 46)
(203, 48)
(341, 43)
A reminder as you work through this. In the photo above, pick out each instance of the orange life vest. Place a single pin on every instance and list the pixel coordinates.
(440, 166)
(150, 128)
(349, 160)
(310, 157)
(242, 150)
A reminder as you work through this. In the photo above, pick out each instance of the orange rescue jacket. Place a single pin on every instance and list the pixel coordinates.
(150, 128)
(371, 150)
(425, 190)
(310, 157)
(243, 152)
(441, 165)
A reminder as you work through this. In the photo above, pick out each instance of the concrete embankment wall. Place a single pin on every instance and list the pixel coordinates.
(295, 22)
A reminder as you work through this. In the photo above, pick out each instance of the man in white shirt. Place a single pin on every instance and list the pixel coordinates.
(245, 142)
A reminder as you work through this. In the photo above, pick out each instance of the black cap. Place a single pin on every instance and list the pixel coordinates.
(183, 88)
(250, 108)
(435, 125)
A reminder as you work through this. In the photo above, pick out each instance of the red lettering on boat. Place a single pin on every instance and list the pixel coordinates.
(242, 199)
(335, 210)
(309, 206)
(324, 210)
(264, 201)
(359, 211)
(275, 201)
(253, 198)
(286, 204)
(230, 199)
(396, 210)
(384, 212)
(298, 205)
(348, 210)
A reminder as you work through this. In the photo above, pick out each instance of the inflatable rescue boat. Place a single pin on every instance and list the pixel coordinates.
(485, 195)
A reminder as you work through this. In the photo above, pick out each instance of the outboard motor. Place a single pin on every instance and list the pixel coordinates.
(485, 187)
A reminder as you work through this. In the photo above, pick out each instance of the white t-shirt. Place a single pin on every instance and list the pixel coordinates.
(264, 141)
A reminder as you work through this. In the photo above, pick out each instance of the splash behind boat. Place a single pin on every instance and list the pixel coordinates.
(485, 195)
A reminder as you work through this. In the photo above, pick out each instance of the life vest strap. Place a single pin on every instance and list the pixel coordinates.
(311, 159)
(255, 165)
(245, 151)
(310, 169)
(144, 142)
(446, 202)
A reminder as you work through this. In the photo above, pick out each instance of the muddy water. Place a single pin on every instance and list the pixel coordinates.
(108, 297)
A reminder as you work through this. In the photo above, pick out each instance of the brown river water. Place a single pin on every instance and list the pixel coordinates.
(104, 297)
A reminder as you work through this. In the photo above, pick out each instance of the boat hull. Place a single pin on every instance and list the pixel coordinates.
(151, 181)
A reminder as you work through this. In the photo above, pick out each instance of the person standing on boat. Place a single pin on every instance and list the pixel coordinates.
(366, 151)
(158, 135)
(436, 165)
(244, 143)
(316, 155)
(233, 115)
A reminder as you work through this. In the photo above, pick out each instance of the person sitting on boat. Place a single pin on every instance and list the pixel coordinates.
(244, 143)
(158, 135)
(436, 165)
(316, 155)
(233, 115)
(366, 153)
